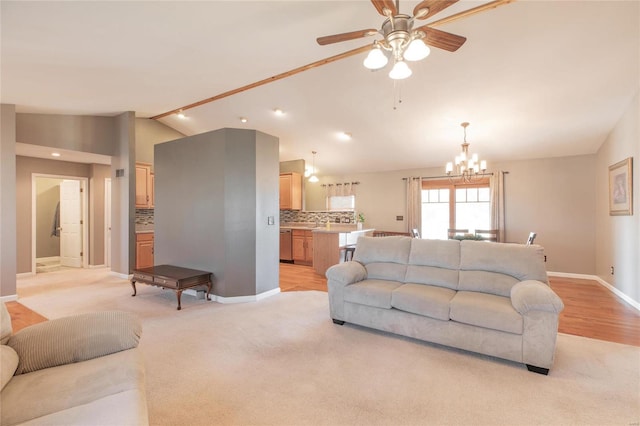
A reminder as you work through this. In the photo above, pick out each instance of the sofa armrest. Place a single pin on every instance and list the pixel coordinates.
(534, 295)
(74, 339)
(346, 273)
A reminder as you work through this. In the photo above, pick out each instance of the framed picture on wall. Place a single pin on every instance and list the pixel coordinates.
(621, 188)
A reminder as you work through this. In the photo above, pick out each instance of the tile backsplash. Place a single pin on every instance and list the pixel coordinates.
(144, 216)
(320, 217)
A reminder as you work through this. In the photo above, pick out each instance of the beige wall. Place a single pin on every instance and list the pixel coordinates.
(7, 201)
(47, 198)
(618, 237)
(554, 197)
(98, 174)
(150, 132)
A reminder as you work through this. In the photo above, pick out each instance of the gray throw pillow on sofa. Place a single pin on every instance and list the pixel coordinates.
(74, 339)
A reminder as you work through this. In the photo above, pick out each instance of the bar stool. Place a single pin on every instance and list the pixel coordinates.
(348, 252)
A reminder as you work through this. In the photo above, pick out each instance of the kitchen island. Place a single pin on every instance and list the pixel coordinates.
(328, 244)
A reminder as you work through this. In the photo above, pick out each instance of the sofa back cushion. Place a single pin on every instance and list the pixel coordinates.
(384, 258)
(496, 267)
(5, 324)
(434, 262)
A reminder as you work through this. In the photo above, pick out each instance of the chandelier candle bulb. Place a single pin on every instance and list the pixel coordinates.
(449, 167)
(483, 165)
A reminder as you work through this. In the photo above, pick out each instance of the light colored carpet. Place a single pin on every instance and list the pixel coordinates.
(281, 361)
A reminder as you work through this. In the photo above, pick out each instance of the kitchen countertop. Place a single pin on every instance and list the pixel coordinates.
(334, 228)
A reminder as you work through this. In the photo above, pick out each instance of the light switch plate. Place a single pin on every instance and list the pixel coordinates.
(270, 220)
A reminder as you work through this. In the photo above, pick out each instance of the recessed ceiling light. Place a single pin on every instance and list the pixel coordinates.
(345, 136)
(55, 154)
(278, 111)
(243, 119)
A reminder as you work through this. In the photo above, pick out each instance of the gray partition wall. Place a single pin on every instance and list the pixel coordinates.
(214, 196)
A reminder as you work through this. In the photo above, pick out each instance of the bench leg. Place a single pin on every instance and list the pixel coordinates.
(538, 370)
(339, 322)
(133, 284)
(209, 290)
(179, 296)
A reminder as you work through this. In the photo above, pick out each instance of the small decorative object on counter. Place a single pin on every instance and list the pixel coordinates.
(360, 221)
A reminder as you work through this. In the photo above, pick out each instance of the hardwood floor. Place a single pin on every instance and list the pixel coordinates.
(590, 310)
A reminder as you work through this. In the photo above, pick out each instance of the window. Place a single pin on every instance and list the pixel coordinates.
(341, 202)
(446, 205)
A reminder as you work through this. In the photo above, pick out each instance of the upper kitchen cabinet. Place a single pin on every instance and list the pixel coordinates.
(290, 191)
(144, 186)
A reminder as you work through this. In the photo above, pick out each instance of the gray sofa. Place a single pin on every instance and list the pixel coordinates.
(490, 298)
(80, 370)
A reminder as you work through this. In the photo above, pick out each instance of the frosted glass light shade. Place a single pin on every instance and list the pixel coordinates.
(313, 179)
(376, 59)
(400, 71)
(416, 51)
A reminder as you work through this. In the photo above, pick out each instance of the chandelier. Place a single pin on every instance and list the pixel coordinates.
(401, 43)
(466, 169)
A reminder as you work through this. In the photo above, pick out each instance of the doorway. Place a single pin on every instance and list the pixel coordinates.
(59, 237)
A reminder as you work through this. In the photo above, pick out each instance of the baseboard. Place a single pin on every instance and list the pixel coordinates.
(237, 299)
(10, 298)
(119, 275)
(96, 266)
(48, 259)
(621, 295)
(25, 274)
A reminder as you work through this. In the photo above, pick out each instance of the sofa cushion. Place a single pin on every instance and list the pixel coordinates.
(386, 271)
(439, 253)
(517, 260)
(425, 300)
(5, 324)
(382, 249)
(431, 275)
(487, 282)
(376, 293)
(8, 364)
(485, 310)
(44, 392)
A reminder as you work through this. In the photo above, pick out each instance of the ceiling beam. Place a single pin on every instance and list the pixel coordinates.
(447, 20)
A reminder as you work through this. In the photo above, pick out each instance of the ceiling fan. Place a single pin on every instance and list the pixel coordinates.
(432, 37)
(401, 41)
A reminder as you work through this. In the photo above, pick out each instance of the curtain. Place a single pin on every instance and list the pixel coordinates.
(414, 204)
(496, 184)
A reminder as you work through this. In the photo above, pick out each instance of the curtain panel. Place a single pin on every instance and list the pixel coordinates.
(414, 204)
(496, 184)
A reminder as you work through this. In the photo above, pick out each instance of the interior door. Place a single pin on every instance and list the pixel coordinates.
(70, 224)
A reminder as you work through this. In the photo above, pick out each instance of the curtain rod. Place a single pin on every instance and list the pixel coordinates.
(447, 176)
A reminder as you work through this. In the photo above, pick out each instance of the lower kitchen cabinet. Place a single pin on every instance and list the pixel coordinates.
(302, 246)
(144, 250)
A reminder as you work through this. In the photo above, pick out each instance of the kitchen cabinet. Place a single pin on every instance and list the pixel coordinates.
(144, 186)
(290, 191)
(144, 250)
(302, 246)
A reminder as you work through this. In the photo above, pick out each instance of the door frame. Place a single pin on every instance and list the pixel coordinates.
(107, 222)
(84, 185)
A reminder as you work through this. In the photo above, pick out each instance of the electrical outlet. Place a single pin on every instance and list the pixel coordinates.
(612, 270)
(337, 220)
(545, 257)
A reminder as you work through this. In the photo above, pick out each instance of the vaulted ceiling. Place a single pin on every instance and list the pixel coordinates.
(535, 78)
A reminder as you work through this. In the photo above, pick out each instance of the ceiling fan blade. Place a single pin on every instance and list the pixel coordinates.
(336, 38)
(441, 39)
(381, 5)
(470, 12)
(432, 7)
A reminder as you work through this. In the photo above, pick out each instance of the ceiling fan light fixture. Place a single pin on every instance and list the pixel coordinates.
(416, 51)
(376, 59)
(400, 71)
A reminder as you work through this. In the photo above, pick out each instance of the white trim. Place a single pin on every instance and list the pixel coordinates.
(25, 274)
(9, 298)
(621, 295)
(48, 259)
(237, 299)
(96, 266)
(123, 276)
